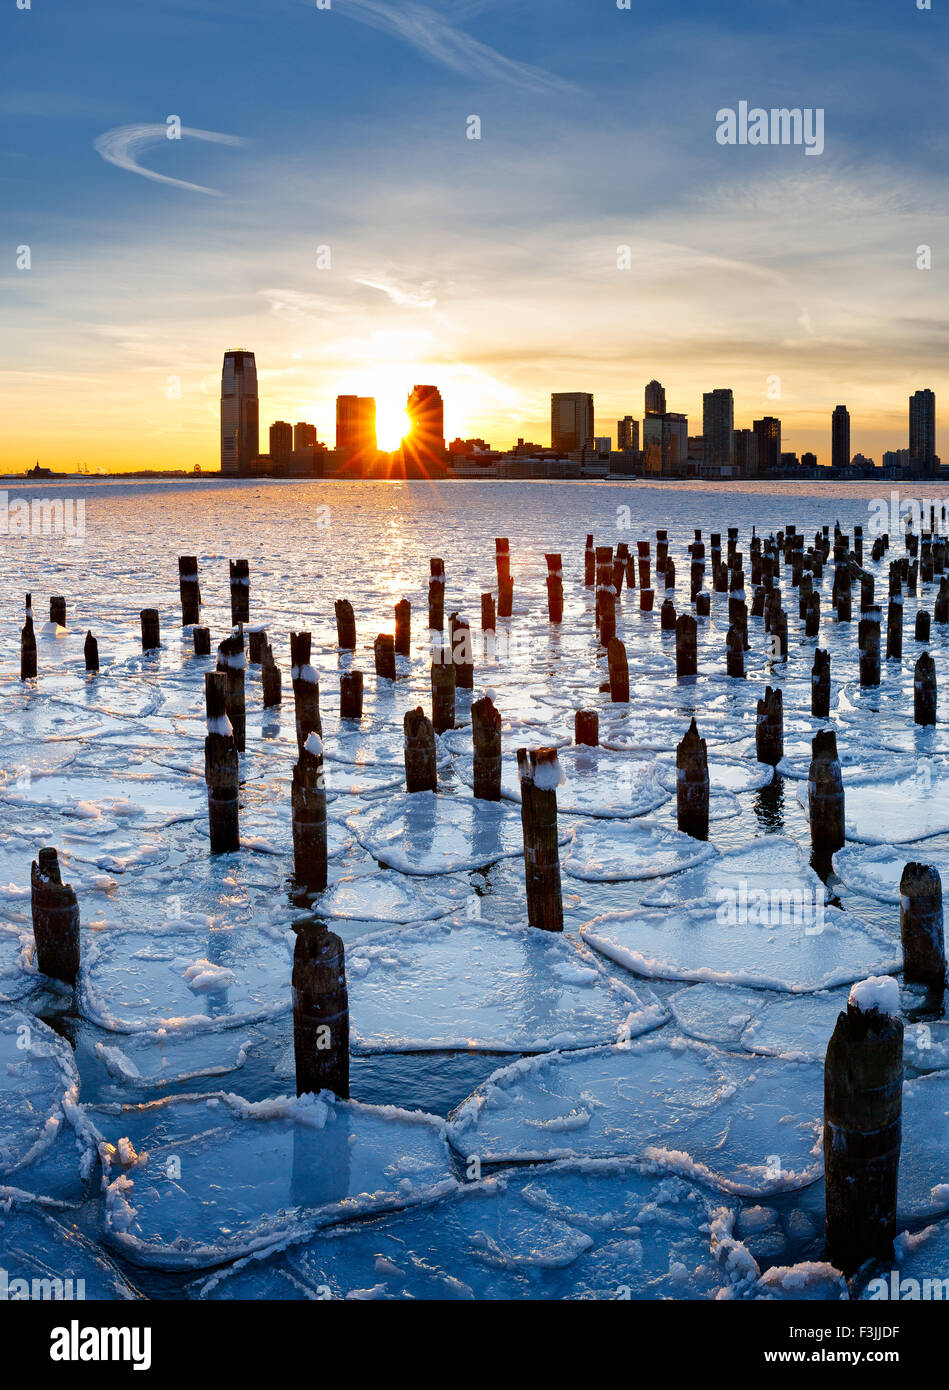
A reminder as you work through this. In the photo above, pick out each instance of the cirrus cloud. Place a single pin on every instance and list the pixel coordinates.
(123, 145)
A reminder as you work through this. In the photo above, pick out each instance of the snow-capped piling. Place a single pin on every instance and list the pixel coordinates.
(384, 654)
(586, 728)
(350, 695)
(825, 795)
(420, 765)
(868, 641)
(436, 595)
(28, 645)
(687, 649)
(270, 678)
(55, 919)
(696, 569)
(221, 768)
(308, 802)
(201, 636)
(642, 548)
(540, 775)
(462, 652)
(232, 663)
(443, 689)
(502, 557)
(820, 684)
(605, 597)
(921, 631)
(589, 564)
(921, 927)
(57, 611)
(863, 1093)
(646, 597)
(703, 604)
(240, 591)
(91, 652)
(769, 727)
(692, 784)
(306, 689)
(256, 645)
(735, 653)
(403, 628)
(619, 672)
(555, 588)
(620, 561)
(894, 628)
(667, 616)
(486, 736)
(190, 589)
(320, 1012)
(151, 631)
(345, 625)
(924, 690)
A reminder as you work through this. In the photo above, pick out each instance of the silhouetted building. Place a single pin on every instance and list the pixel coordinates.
(922, 431)
(718, 427)
(304, 436)
(240, 421)
(840, 438)
(423, 448)
(809, 462)
(655, 399)
(281, 440)
(356, 434)
(768, 434)
(571, 421)
(745, 453)
(627, 433)
(666, 445)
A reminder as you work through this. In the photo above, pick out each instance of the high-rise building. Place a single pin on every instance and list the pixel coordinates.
(768, 434)
(240, 421)
(840, 438)
(571, 421)
(718, 427)
(627, 434)
(666, 445)
(745, 453)
(304, 436)
(655, 399)
(922, 431)
(281, 441)
(356, 433)
(423, 448)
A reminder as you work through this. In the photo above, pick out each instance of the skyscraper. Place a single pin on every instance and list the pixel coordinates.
(571, 421)
(304, 436)
(356, 433)
(423, 448)
(281, 441)
(746, 453)
(627, 434)
(240, 443)
(718, 427)
(922, 431)
(666, 445)
(655, 399)
(768, 434)
(840, 437)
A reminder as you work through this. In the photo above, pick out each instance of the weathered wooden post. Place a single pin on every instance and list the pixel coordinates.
(350, 695)
(240, 592)
(202, 641)
(270, 679)
(868, 639)
(488, 617)
(820, 684)
(769, 727)
(55, 919)
(619, 672)
(735, 653)
(57, 610)
(703, 604)
(894, 628)
(505, 582)
(384, 654)
(420, 766)
(486, 737)
(232, 663)
(589, 564)
(692, 785)
(320, 1012)
(825, 795)
(619, 567)
(540, 775)
(812, 615)
(443, 689)
(345, 625)
(91, 653)
(687, 651)
(643, 549)
(28, 645)
(863, 1095)
(306, 689)
(554, 588)
(462, 653)
(606, 607)
(436, 595)
(189, 587)
(922, 629)
(256, 645)
(667, 616)
(308, 803)
(151, 635)
(221, 769)
(941, 604)
(921, 927)
(924, 690)
(586, 728)
(403, 628)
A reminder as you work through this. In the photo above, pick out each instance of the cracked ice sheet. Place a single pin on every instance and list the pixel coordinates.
(430, 833)
(631, 850)
(39, 1086)
(685, 943)
(810, 1280)
(565, 1231)
(17, 972)
(875, 870)
(724, 774)
(924, 1157)
(744, 1125)
(293, 1165)
(468, 986)
(897, 809)
(387, 896)
(106, 800)
(150, 1061)
(598, 783)
(35, 1245)
(920, 1255)
(770, 862)
(183, 980)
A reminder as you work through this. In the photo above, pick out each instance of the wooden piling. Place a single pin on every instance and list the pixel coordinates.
(91, 653)
(28, 645)
(320, 1012)
(922, 628)
(256, 645)
(589, 564)
(486, 737)
(221, 769)
(505, 582)
(820, 684)
(462, 653)
(55, 919)
(436, 595)
(586, 728)
(667, 616)
(825, 795)
(924, 690)
(232, 663)
(687, 652)
(308, 803)
(420, 763)
(921, 928)
(735, 653)
(350, 695)
(345, 625)
(384, 655)
(443, 690)
(201, 637)
(57, 611)
(555, 588)
(868, 639)
(306, 689)
(151, 635)
(189, 587)
(769, 727)
(692, 785)
(270, 679)
(240, 591)
(539, 774)
(894, 628)
(619, 672)
(403, 628)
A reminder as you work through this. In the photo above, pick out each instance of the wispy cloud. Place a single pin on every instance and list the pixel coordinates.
(402, 295)
(123, 146)
(432, 34)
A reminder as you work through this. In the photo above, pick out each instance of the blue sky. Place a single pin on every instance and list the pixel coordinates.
(487, 266)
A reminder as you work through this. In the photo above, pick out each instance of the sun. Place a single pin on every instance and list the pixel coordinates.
(392, 421)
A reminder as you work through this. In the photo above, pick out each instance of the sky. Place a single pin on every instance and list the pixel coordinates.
(325, 208)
